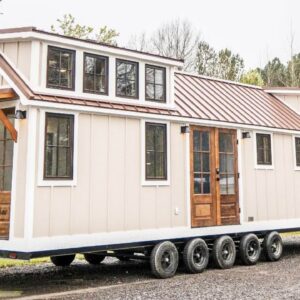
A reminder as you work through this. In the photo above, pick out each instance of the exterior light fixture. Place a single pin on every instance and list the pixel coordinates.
(246, 135)
(20, 114)
(185, 129)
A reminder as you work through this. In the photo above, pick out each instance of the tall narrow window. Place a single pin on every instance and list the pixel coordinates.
(127, 79)
(95, 74)
(155, 83)
(61, 68)
(201, 162)
(227, 163)
(156, 151)
(297, 151)
(264, 149)
(59, 132)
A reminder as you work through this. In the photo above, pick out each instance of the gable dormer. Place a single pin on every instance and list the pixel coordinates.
(64, 66)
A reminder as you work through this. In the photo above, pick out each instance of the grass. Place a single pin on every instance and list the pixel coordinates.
(7, 263)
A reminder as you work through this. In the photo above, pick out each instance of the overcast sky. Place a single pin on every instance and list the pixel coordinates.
(256, 29)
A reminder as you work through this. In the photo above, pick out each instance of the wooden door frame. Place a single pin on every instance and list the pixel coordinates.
(236, 172)
(212, 174)
(215, 162)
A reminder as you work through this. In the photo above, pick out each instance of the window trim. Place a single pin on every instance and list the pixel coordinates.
(70, 117)
(294, 137)
(106, 58)
(264, 167)
(137, 78)
(41, 151)
(154, 182)
(164, 101)
(73, 52)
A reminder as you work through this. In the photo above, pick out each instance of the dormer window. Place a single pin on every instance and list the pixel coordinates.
(95, 78)
(155, 84)
(126, 79)
(61, 68)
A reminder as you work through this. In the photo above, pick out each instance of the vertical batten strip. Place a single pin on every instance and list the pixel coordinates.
(30, 174)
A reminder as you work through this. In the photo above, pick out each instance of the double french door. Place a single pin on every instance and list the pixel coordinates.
(214, 177)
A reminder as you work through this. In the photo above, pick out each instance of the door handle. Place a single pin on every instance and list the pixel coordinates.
(217, 174)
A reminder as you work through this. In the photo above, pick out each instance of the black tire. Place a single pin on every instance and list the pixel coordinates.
(94, 259)
(250, 249)
(196, 256)
(164, 260)
(224, 252)
(273, 246)
(62, 260)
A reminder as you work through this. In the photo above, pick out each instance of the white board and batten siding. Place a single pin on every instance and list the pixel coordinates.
(109, 196)
(19, 54)
(271, 194)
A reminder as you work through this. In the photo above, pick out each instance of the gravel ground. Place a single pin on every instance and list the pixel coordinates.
(133, 280)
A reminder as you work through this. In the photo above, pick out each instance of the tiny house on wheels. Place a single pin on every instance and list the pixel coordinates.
(107, 151)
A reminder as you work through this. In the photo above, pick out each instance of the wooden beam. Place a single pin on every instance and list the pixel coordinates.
(7, 94)
(9, 126)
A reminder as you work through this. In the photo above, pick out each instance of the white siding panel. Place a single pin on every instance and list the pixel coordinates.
(80, 204)
(99, 171)
(132, 175)
(116, 174)
(271, 194)
(59, 211)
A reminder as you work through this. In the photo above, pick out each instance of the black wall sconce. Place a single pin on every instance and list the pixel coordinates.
(20, 114)
(185, 129)
(246, 135)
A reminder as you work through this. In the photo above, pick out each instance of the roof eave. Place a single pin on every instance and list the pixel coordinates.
(31, 33)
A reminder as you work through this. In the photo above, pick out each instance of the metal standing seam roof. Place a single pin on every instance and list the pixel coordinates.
(196, 98)
(218, 100)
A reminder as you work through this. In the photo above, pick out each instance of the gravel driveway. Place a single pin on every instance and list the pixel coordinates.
(133, 280)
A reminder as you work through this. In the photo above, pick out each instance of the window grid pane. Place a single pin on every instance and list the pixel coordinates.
(60, 68)
(95, 74)
(264, 149)
(127, 79)
(156, 152)
(201, 156)
(227, 163)
(155, 84)
(58, 146)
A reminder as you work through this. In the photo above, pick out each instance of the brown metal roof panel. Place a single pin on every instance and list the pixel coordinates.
(194, 101)
(271, 109)
(251, 106)
(224, 102)
(231, 102)
(235, 102)
(288, 115)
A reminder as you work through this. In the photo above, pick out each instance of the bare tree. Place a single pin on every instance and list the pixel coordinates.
(292, 61)
(176, 39)
(139, 42)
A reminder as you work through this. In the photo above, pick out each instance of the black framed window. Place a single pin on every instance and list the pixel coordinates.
(59, 131)
(156, 151)
(126, 78)
(155, 79)
(61, 68)
(95, 78)
(264, 149)
(297, 151)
